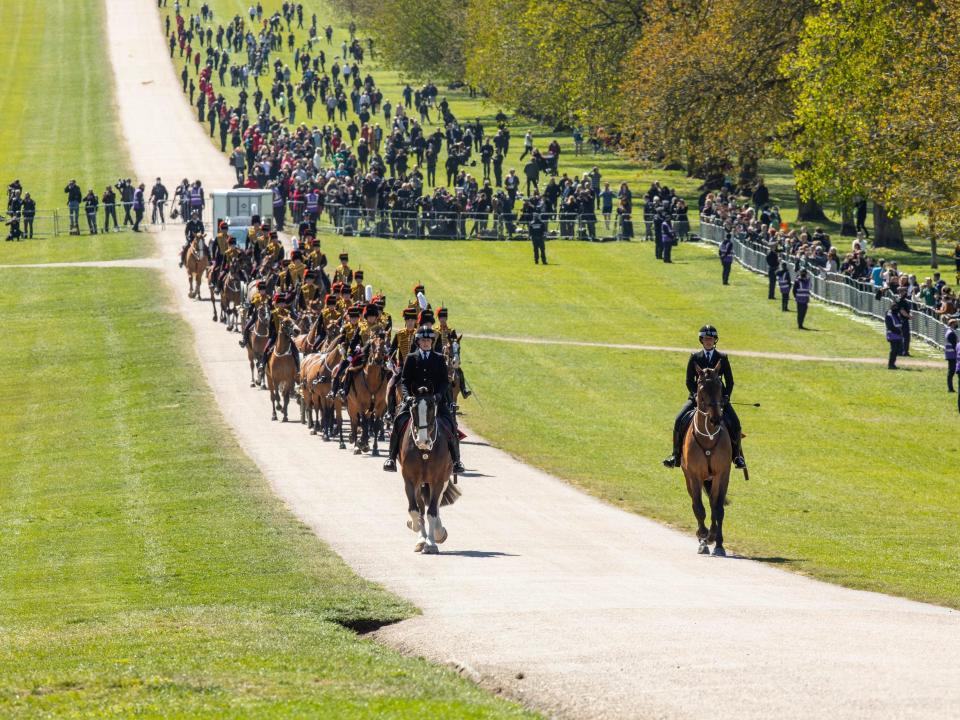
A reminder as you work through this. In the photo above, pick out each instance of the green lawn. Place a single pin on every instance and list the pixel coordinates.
(146, 569)
(72, 248)
(846, 484)
(57, 100)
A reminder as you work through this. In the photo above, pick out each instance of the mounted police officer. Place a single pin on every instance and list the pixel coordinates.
(423, 368)
(708, 357)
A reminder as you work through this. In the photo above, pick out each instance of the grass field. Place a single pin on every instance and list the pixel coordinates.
(145, 567)
(615, 168)
(851, 481)
(57, 102)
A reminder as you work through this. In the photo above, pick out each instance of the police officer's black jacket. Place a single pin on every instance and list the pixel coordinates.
(417, 373)
(699, 360)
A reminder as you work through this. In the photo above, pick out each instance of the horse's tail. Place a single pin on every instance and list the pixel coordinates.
(707, 484)
(450, 495)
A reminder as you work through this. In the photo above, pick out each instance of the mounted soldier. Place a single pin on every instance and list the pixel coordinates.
(400, 347)
(424, 372)
(343, 273)
(708, 357)
(444, 333)
(279, 314)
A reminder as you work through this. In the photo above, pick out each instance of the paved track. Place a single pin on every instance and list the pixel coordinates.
(574, 606)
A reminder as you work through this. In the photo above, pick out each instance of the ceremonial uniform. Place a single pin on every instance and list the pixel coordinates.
(293, 276)
(343, 273)
(316, 260)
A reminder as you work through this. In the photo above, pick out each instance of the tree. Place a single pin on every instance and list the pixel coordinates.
(704, 81)
(877, 106)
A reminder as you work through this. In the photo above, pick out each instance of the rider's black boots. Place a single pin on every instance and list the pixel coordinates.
(674, 459)
(390, 465)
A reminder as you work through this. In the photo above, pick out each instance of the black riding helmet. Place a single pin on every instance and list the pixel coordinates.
(709, 331)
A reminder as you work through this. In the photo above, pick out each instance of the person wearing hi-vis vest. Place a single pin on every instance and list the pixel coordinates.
(950, 353)
(801, 293)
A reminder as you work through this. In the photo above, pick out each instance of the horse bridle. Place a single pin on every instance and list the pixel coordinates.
(415, 428)
(706, 415)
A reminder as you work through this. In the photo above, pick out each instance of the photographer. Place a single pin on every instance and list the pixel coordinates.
(158, 198)
(125, 187)
(74, 196)
(29, 213)
(109, 202)
(90, 205)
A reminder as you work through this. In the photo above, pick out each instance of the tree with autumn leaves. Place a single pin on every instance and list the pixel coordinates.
(861, 96)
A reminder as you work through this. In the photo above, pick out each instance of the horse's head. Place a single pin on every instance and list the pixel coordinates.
(710, 393)
(452, 351)
(424, 415)
(289, 327)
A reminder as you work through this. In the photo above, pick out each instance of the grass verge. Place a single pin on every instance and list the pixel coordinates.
(145, 567)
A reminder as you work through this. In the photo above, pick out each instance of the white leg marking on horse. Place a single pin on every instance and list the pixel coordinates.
(414, 522)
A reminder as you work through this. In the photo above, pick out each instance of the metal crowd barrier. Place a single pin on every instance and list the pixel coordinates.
(428, 224)
(835, 288)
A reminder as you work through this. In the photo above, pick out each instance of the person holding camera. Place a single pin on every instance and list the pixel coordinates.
(109, 202)
(158, 198)
(74, 197)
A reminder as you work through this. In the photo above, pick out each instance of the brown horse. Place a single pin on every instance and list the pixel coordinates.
(259, 336)
(451, 353)
(231, 297)
(281, 370)
(197, 261)
(427, 468)
(367, 401)
(316, 378)
(707, 457)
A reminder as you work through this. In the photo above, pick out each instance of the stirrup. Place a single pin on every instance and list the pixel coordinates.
(672, 461)
(739, 462)
(390, 465)
(458, 467)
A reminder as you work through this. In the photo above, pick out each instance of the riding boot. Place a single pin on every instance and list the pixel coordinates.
(738, 460)
(464, 388)
(183, 255)
(674, 460)
(347, 383)
(296, 358)
(454, 446)
(390, 465)
(245, 337)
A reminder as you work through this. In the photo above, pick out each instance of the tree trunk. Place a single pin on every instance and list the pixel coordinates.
(934, 263)
(887, 232)
(810, 211)
(847, 226)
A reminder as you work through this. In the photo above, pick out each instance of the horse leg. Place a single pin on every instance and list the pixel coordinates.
(274, 399)
(412, 510)
(286, 402)
(253, 379)
(213, 304)
(339, 425)
(699, 511)
(433, 520)
(717, 500)
(377, 427)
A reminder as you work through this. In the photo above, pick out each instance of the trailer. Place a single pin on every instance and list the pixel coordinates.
(238, 207)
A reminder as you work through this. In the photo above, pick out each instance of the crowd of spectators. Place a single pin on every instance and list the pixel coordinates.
(813, 250)
(373, 165)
